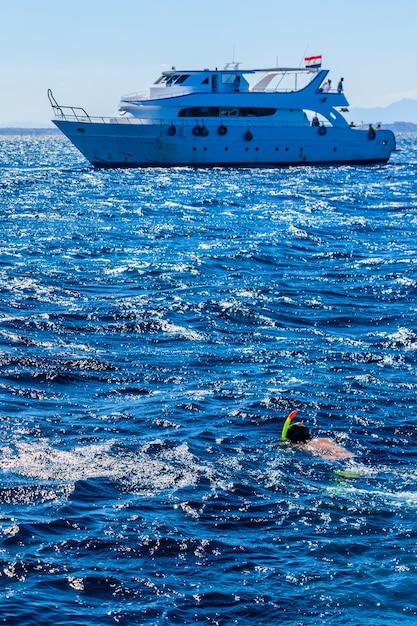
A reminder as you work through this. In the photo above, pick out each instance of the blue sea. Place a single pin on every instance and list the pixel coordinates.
(156, 328)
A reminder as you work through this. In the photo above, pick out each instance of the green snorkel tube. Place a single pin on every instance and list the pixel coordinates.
(287, 424)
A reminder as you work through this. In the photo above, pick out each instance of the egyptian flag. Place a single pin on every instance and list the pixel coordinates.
(313, 61)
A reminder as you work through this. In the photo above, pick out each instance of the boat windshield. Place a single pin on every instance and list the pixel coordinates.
(171, 79)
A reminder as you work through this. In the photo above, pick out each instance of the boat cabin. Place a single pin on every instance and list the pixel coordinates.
(231, 80)
(201, 81)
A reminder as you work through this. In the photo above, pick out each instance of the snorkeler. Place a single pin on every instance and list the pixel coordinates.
(299, 435)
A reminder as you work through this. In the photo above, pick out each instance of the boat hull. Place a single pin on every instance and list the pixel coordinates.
(127, 145)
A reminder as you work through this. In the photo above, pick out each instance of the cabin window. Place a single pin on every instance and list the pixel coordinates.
(205, 81)
(229, 111)
(182, 79)
(199, 112)
(172, 79)
(226, 112)
(256, 111)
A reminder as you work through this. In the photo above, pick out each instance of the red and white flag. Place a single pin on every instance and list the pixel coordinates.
(313, 61)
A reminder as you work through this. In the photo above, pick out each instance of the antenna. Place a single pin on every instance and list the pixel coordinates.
(304, 55)
(233, 64)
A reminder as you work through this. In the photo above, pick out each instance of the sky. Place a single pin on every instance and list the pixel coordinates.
(90, 52)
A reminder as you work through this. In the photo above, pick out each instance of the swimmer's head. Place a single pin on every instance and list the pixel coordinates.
(298, 433)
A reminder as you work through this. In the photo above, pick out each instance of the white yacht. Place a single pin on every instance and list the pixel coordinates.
(228, 117)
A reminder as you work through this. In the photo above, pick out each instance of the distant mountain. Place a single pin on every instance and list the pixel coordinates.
(402, 111)
(401, 127)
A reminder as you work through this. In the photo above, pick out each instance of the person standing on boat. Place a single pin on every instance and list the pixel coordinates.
(326, 86)
(340, 86)
(236, 83)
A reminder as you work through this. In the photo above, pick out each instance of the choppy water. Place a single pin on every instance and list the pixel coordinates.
(156, 327)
